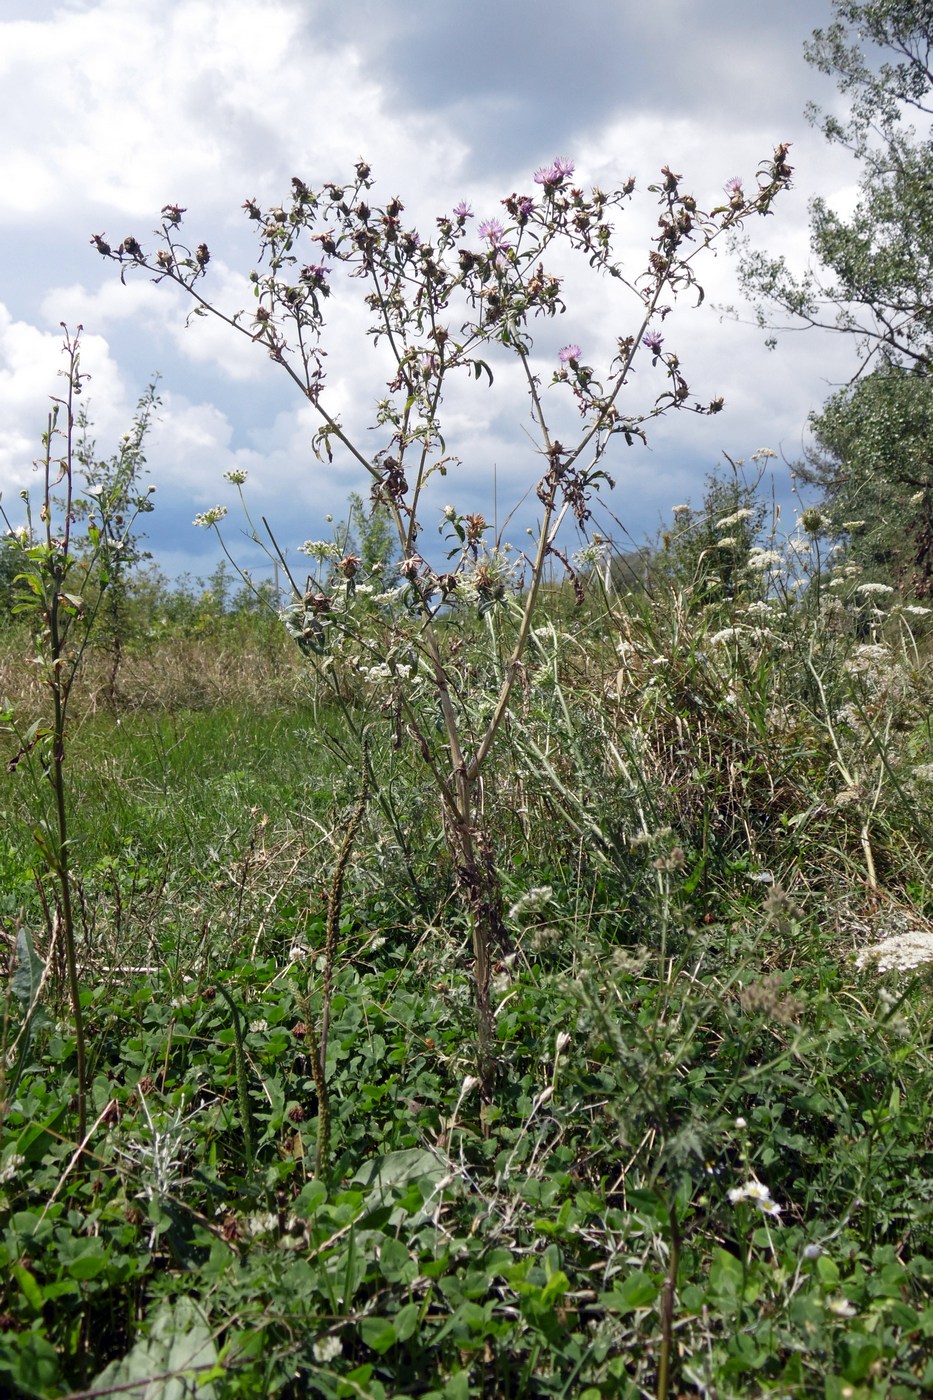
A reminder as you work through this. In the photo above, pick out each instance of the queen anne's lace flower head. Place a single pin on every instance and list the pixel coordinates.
(878, 590)
(900, 953)
(213, 516)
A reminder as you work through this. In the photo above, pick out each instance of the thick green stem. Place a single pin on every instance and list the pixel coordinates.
(242, 1080)
(479, 885)
(668, 1294)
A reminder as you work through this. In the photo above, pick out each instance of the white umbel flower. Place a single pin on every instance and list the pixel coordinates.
(902, 952)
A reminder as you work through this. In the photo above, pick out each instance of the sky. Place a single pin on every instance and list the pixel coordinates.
(113, 108)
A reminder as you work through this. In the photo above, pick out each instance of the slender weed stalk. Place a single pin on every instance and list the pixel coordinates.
(335, 901)
(242, 1078)
(317, 1039)
(60, 585)
(56, 613)
(668, 1300)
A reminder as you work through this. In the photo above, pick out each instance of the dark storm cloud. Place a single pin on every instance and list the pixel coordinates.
(513, 77)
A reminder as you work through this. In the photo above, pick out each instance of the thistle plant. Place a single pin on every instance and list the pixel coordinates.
(439, 304)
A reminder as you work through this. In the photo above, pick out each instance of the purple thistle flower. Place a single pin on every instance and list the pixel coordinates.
(463, 210)
(525, 206)
(734, 186)
(553, 175)
(492, 230)
(569, 354)
(653, 341)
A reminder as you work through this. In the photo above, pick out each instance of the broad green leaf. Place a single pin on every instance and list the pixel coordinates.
(180, 1349)
(378, 1333)
(89, 1263)
(395, 1262)
(355, 1382)
(27, 972)
(312, 1195)
(556, 1286)
(638, 1290)
(388, 1176)
(29, 1287)
(458, 1387)
(31, 1363)
(406, 1321)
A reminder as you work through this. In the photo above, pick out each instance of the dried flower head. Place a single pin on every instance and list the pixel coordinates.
(531, 902)
(766, 997)
(813, 522)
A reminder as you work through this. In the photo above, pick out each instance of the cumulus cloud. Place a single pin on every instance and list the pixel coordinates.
(121, 107)
(31, 366)
(114, 107)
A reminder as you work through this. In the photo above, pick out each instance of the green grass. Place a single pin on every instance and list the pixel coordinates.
(183, 781)
(680, 1015)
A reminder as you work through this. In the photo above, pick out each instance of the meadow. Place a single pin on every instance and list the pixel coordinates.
(705, 1166)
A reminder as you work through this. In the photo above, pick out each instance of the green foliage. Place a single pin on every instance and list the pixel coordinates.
(178, 1347)
(711, 1146)
(368, 533)
(706, 551)
(528, 1262)
(874, 272)
(874, 471)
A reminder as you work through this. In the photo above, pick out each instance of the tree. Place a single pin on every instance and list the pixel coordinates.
(874, 279)
(368, 533)
(113, 493)
(873, 466)
(706, 552)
